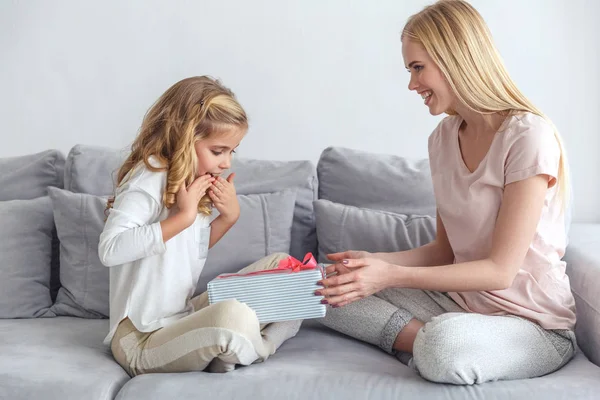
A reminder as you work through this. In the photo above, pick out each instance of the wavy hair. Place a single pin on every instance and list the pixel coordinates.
(192, 109)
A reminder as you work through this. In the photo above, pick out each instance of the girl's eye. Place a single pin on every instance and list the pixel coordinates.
(233, 151)
(217, 153)
(418, 67)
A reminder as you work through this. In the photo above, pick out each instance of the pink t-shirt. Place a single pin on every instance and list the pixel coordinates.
(468, 204)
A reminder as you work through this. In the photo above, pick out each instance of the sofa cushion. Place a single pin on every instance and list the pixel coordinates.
(376, 181)
(26, 249)
(92, 170)
(263, 228)
(27, 177)
(321, 364)
(583, 267)
(341, 227)
(84, 280)
(56, 359)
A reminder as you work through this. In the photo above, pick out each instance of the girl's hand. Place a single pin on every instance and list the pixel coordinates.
(188, 198)
(355, 280)
(223, 195)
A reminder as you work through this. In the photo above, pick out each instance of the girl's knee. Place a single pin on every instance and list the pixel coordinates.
(232, 314)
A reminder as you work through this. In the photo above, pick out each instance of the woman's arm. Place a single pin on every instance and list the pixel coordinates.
(515, 226)
(437, 252)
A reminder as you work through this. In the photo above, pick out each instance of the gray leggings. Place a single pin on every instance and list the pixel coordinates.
(454, 346)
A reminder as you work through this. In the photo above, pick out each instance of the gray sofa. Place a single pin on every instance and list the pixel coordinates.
(54, 291)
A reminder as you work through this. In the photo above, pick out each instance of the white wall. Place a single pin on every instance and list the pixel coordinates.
(310, 73)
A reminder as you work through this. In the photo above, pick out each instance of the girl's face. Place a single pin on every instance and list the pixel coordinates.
(427, 79)
(215, 153)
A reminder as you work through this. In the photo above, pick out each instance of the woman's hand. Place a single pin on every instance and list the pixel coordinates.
(223, 195)
(355, 280)
(348, 255)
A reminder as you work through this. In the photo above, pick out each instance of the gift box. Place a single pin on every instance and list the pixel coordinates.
(281, 294)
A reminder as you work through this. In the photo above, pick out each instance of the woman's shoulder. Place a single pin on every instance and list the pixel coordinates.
(526, 123)
(443, 130)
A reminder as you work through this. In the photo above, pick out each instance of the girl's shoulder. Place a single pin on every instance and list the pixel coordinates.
(152, 181)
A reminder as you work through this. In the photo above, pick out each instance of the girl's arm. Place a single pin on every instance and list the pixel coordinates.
(129, 233)
(218, 229)
(516, 224)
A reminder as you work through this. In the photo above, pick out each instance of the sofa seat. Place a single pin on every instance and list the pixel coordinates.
(57, 359)
(322, 364)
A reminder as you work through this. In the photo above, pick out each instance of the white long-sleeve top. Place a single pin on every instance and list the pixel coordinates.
(151, 281)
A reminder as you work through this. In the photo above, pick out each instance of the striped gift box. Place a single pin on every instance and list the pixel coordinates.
(275, 295)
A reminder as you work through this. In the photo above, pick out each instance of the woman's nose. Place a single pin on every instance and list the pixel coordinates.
(412, 83)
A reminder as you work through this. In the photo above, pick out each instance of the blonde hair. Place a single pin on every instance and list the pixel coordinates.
(458, 40)
(192, 109)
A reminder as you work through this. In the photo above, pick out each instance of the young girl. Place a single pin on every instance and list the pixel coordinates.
(488, 299)
(158, 233)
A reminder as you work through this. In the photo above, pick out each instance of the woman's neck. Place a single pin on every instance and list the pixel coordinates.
(476, 124)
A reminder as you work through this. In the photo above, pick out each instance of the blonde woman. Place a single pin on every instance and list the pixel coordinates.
(158, 233)
(488, 299)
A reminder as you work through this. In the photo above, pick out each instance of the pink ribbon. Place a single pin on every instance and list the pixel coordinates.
(287, 265)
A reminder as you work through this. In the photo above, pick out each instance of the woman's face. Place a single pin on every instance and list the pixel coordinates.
(427, 79)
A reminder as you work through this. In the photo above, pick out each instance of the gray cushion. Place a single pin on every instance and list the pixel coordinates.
(79, 221)
(26, 249)
(263, 228)
(321, 364)
(583, 267)
(92, 170)
(57, 359)
(341, 227)
(376, 181)
(27, 177)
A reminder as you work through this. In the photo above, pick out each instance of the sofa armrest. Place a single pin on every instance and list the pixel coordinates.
(583, 267)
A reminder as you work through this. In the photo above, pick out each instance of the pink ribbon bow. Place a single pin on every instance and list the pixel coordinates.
(287, 265)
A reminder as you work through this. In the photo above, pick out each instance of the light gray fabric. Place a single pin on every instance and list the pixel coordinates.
(583, 267)
(264, 228)
(27, 177)
(341, 227)
(321, 364)
(92, 170)
(58, 358)
(260, 176)
(79, 221)
(26, 249)
(376, 181)
(454, 346)
(470, 348)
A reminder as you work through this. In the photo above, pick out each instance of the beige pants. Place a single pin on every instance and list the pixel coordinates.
(214, 337)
